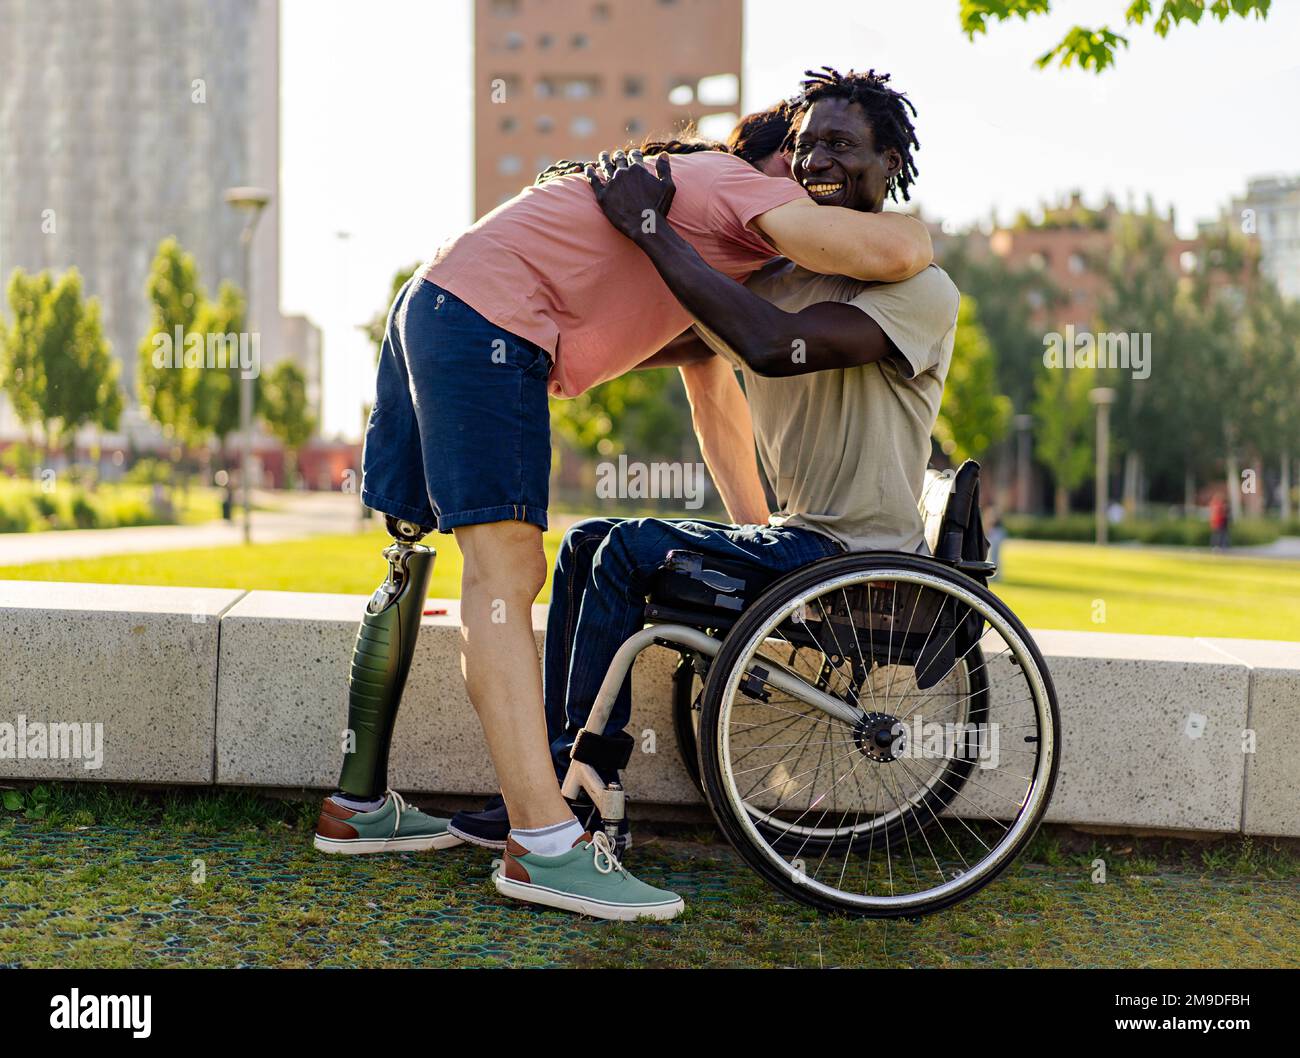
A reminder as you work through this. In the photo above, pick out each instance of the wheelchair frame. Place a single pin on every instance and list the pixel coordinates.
(610, 798)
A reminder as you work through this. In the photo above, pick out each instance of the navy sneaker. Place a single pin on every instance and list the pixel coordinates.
(491, 826)
(488, 828)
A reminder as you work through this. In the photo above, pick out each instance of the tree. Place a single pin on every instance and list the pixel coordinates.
(1269, 348)
(1064, 437)
(21, 376)
(1145, 295)
(216, 391)
(166, 390)
(644, 413)
(285, 411)
(379, 321)
(1006, 300)
(974, 415)
(1094, 49)
(56, 367)
(80, 376)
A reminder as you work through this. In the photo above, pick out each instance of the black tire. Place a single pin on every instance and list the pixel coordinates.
(759, 846)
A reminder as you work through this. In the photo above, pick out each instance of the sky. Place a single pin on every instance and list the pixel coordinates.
(376, 125)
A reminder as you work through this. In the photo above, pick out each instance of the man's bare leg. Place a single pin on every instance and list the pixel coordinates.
(505, 568)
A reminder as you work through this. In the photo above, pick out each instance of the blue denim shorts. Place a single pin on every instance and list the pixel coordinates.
(460, 433)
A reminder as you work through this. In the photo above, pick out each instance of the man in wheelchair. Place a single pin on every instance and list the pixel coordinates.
(842, 386)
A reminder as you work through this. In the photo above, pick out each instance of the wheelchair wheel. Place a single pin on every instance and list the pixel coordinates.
(932, 775)
(686, 717)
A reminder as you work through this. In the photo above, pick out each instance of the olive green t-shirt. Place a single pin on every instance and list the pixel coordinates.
(846, 449)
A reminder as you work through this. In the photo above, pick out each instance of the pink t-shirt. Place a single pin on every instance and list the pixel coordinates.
(547, 266)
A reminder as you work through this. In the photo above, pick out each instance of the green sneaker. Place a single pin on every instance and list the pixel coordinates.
(393, 827)
(587, 879)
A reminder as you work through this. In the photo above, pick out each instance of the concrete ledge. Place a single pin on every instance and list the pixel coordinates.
(282, 705)
(1151, 729)
(134, 668)
(1154, 727)
(282, 702)
(1272, 781)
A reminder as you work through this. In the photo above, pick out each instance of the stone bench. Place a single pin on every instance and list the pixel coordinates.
(134, 666)
(250, 688)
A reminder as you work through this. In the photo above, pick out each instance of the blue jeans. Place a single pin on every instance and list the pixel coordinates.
(602, 575)
(460, 433)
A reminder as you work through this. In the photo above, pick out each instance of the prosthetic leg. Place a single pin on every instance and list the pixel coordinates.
(381, 659)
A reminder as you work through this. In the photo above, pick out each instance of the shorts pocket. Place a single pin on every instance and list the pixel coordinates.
(532, 360)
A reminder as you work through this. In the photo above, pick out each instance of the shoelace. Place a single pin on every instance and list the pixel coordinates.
(603, 855)
(399, 804)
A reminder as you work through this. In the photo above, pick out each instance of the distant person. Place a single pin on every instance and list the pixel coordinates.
(162, 507)
(222, 481)
(996, 533)
(1220, 523)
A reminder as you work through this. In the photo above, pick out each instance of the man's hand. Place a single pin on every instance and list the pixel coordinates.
(632, 198)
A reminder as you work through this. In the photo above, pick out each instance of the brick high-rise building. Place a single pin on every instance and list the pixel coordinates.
(567, 78)
(1064, 246)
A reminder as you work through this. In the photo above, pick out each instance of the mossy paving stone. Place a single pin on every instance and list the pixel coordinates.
(105, 895)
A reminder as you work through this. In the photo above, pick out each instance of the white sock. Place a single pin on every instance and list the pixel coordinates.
(358, 804)
(554, 840)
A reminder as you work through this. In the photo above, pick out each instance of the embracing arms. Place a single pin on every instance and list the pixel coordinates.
(836, 241)
(771, 341)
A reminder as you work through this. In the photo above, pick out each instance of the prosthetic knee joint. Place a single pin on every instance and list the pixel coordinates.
(382, 656)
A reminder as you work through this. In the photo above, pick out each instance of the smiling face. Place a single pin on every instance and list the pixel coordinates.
(836, 160)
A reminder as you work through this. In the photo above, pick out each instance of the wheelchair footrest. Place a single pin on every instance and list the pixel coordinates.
(605, 753)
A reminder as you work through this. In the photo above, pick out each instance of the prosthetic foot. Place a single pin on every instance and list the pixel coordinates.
(381, 659)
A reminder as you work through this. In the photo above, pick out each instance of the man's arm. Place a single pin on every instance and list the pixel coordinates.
(771, 341)
(725, 431)
(833, 240)
(686, 348)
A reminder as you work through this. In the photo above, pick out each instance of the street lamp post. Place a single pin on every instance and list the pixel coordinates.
(344, 238)
(250, 201)
(1103, 398)
(1023, 424)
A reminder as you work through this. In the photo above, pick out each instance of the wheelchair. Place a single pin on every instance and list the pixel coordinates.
(875, 733)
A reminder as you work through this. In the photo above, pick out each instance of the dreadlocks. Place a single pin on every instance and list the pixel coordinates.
(688, 145)
(886, 110)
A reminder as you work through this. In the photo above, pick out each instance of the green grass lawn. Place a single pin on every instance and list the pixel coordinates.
(1150, 591)
(1050, 585)
(112, 878)
(351, 564)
